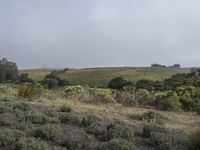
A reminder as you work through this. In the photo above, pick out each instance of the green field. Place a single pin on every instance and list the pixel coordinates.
(101, 76)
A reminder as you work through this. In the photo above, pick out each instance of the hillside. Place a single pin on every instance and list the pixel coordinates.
(101, 76)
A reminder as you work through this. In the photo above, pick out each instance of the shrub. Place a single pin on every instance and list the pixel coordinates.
(194, 140)
(36, 117)
(127, 98)
(65, 108)
(51, 113)
(161, 141)
(28, 91)
(7, 119)
(118, 83)
(21, 106)
(76, 140)
(94, 125)
(9, 137)
(143, 97)
(170, 101)
(150, 117)
(149, 129)
(47, 132)
(50, 83)
(117, 144)
(102, 95)
(145, 84)
(76, 91)
(31, 144)
(70, 118)
(119, 131)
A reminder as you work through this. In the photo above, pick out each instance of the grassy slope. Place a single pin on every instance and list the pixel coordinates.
(100, 76)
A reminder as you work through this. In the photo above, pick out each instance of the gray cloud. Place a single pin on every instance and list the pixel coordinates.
(93, 33)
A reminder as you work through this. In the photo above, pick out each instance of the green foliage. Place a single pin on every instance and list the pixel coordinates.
(127, 97)
(8, 71)
(28, 91)
(76, 140)
(76, 91)
(94, 125)
(169, 101)
(145, 84)
(118, 83)
(31, 144)
(51, 81)
(36, 117)
(47, 132)
(194, 140)
(144, 97)
(117, 144)
(65, 108)
(102, 95)
(70, 118)
(51, 113)
(119, 131)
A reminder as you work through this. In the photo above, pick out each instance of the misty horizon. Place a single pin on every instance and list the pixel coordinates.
(100, 33)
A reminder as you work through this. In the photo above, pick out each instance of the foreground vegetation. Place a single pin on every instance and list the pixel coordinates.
(53, 114)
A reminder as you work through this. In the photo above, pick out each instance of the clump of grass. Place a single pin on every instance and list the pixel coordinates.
(36, 117)
(5, 108)
(150, 117)
(94, 125)
(47, 132)
(117, 144)
(31, 144)
(70, 118)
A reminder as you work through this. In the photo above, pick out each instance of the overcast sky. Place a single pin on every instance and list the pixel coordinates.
(97, 33)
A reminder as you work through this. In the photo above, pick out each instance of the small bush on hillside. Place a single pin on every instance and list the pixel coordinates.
(170, 101)
(94, 125)
(51, 113)
(160, 141)
(145, 84)
(70, 118)
(127, 98)
(116, 144)
(119, 131)
(21, 106)
(28, 91)
(194, 140)
(7, 119)
(9, 137)
(76, 91)
(36, 117)
(31, 144)
(76, 140)
(149, 129)
(102, 95)
(50, 83)
(150, 117)
(118, 83)
(144, 97)
(65, 108)
(47, 132)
